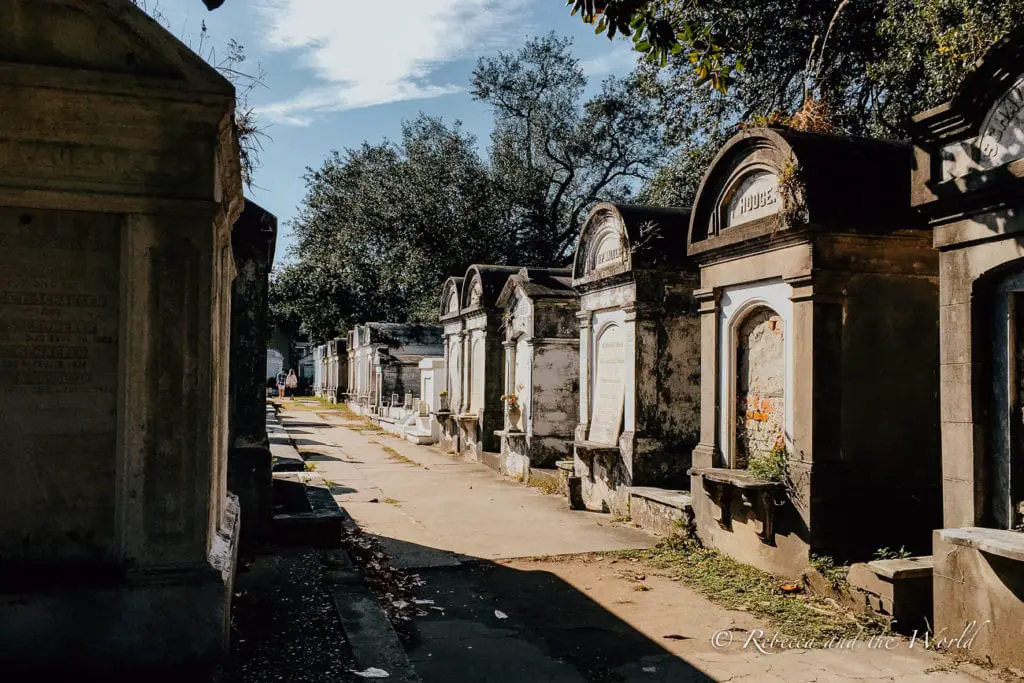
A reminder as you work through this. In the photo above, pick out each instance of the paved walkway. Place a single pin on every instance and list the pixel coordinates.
(499, 614)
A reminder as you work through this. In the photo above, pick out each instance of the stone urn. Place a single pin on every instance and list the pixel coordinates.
(515, 417)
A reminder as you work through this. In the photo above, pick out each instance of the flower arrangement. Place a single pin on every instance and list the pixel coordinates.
(511, 399)
(442, 394)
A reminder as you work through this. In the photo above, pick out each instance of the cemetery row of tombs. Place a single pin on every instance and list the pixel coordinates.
(822, 356)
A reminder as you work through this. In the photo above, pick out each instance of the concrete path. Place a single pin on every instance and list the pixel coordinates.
(430, 508)
(501, 613)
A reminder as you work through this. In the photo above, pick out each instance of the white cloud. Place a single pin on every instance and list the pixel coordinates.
(369, 52)
(614, 57)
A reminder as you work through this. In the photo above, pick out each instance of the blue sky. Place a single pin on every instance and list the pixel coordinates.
(339, 72)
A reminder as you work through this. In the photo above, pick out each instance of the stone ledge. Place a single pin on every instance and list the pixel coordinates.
(740, 479)
(677, 499)
(593, 446)
(909, 568)
(509, 433)
(1001, 542)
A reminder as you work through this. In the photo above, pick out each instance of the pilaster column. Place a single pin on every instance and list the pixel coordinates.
(708, 452)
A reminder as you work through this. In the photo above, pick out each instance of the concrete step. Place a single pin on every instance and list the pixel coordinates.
(663, 511)
(305, 512)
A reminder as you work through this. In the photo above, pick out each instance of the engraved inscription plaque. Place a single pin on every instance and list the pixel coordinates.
(476, 373)
(1002, 134)
(59, 314)
(756, 196)
(609, 387)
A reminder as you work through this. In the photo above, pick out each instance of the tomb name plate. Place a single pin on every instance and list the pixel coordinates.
(476, 397)
(757, 196)
(59, 320)
(609, 389)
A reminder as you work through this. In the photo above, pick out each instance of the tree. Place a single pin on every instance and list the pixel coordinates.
(382, 226)
(553, 156)
(661, 29)
(860, 67)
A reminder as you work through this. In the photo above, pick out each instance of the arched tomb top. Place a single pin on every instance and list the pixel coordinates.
(769, 179)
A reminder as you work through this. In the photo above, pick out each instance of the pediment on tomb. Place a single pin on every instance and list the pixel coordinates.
(483, 284)
(451, 297)
(771, 183)
(603, 247)
(619, 238)
(107, 36)
(982, 128)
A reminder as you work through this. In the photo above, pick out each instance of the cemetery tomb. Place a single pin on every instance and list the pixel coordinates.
(253, 240)
(969, 156)
(480, 412)
(452, 330)
(639, 345)
(319, 370)
(818, 303)
(541, 370)
(387, 361)
(119, 187)
(425, 427)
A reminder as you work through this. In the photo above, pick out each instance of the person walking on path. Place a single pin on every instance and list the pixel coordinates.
(282, 379)
(291, 383)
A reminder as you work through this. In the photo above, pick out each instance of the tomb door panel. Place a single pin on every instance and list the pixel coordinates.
(609, 388)
(522, 382)
(477, 376)
(455, 377)
(759, 409)
(1003, 463)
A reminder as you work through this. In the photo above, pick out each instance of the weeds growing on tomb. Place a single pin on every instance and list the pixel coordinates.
(891, 554)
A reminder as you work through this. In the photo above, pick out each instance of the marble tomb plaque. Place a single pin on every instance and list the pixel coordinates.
(59, 320)
(756, 196)
(476, 373)
(609, 388)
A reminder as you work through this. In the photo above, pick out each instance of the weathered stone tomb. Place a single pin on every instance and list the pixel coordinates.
(253, 240)
(639, 353)
(818, 316)
(475, 360)
(969, 184)
(386, 362)
(337, 370)
(541, 369)
(119, 186)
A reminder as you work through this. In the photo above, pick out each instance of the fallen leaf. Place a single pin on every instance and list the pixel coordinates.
(501, 615)
(372, 672)
(675, 636)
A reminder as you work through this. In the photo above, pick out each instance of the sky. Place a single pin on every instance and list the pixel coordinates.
(338, 72)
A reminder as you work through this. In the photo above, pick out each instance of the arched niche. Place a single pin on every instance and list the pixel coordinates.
(603, 244)
(759, 409)
(609, 385)
(750, 195)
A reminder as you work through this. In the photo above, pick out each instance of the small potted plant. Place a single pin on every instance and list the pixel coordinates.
(515, 413)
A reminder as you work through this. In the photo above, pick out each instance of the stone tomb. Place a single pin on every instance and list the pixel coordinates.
(119, 186)
(336, 370)
(475, 360)
(387, 357)
(818, 314)
(253, 240)
(320, 370)
(639, 353)
(541, 369)
(968, 183)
